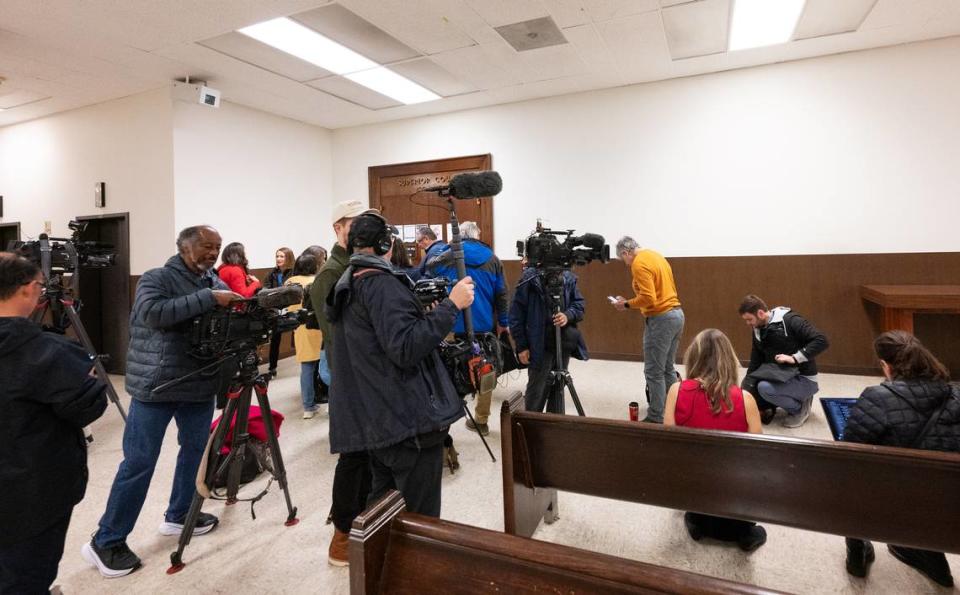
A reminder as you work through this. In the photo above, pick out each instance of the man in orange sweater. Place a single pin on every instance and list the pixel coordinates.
(656, 298)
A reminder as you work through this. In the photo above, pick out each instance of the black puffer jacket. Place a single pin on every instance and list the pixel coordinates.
(894, 413)
(167, 300)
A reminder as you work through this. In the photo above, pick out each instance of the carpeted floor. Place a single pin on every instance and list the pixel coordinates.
(262, 556)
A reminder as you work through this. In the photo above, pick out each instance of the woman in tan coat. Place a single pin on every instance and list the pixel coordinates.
(307, 341)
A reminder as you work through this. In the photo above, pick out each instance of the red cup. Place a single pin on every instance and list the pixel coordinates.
(634, 411)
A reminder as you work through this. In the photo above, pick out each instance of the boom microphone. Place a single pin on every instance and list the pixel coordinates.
(279, 297)
(470, 185)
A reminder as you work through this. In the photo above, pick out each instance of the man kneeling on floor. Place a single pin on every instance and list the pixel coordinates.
(783, 366)
(167, 298)
(390, 393)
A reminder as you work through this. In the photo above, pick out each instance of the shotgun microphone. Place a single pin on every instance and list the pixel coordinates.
(470, 185)
(279, 297)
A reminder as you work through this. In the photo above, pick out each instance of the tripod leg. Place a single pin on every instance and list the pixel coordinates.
(238, 445)
(482, 439)
(97, 364)
(190, 523)
(279, 471)
(568, 380)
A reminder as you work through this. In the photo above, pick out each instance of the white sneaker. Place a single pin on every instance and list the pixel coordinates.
(798, 419)
(309, 414)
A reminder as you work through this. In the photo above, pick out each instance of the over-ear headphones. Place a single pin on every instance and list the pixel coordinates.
(383, 241)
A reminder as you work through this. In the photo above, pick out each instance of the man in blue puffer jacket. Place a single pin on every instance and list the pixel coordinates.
(490, 306)
(167, 299)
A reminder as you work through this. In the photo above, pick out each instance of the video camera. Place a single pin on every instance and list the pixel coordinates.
(66, 254)
(246, 324)
(544, 250)
(432, 290)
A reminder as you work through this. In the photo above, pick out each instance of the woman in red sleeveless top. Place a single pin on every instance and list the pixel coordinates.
(711, 399)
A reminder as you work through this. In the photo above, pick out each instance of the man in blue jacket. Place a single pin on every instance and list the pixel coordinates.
(532, 325)
(490, 307)
(391, 395)
(49, 394)
(167, 299)
(431, 246)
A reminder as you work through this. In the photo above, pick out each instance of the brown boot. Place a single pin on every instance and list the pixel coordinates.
(451, 458)
(339, 552)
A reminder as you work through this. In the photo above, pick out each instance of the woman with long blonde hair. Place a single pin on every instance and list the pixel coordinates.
(711, 399)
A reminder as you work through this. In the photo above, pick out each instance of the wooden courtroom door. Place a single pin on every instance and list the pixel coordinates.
(397, 191)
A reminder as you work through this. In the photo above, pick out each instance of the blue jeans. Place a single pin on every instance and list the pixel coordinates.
(142, 439)
(789, 395)
(661, 338)
(324, 368)
(308, 375)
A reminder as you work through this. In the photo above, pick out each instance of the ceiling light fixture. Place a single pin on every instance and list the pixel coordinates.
(389, 83)
(305, 43)
(758, 23)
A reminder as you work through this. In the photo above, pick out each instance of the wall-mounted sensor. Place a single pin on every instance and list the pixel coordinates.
(100, 195)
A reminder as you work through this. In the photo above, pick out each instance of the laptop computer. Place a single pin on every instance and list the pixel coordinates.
(837, 410)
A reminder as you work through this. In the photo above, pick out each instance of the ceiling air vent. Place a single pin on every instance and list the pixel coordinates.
(532, 35)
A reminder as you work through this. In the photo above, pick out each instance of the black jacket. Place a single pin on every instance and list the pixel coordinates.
(894, 414)
(787, 333)
(168, 299)
(387, 380)
(273, 278)
(48, 396)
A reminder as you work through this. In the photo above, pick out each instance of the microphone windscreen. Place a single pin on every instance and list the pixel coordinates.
(592, 240)
(280, 297)
(476, 185)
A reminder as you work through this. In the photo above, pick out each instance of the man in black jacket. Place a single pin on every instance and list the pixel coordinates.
(390, 393)
(351, 478)
(49, 394)
(783, 367)
(167, 299)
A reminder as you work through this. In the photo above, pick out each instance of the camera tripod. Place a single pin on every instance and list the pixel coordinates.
(63, 315)
(560, 378)
(248, 381)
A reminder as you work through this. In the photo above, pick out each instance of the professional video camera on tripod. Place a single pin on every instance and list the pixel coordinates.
(552, 258)
(57, 258)
(235, 333)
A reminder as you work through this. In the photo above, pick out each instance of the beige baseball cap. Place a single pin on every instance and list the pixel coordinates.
(350, 208)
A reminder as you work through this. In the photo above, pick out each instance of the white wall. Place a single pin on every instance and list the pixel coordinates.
(844, 154)
(260, 179)
(48, 169)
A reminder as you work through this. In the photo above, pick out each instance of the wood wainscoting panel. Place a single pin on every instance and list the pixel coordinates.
(825, 288)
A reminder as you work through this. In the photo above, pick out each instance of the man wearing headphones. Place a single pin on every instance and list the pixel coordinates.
(390, 393)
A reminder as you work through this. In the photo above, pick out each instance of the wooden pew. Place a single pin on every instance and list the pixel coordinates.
(892, 495)
(392, 551)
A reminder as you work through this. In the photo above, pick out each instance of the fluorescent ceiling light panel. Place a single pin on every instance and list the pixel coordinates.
(389, 83)
(758, 23)
(306, 44)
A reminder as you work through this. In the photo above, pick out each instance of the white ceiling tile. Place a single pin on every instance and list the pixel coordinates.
(354, 93)
(593, 50)
(11, 98)
(697, 28)
(559, 61)
(829, 17)
(429, 74)
(356, 33)
(605, 10)
(567, 13)
(505, 12)
(889, 13)
(251, 51)
(639, 45)
(425, 25)
(486, 66)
